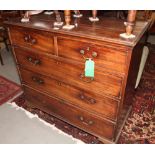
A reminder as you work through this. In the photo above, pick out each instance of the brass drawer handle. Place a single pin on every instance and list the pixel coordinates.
(82, 97)
(29, 59)
(87, 99)
(33, 41)
(40, 81)
(86, 79)
(37, 80)
(34, 61)
(82, 52)
(37, 62)
(58, 62)
(92, 101)
(26, 38)
(94, 54)
(81, 118)
(29, 40)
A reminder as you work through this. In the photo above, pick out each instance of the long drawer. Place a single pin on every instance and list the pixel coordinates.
(94, 103)
(108, 58)
(35, 40)
(103, 83)
(75, 116)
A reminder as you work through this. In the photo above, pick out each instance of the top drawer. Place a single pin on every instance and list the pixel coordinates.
(107, 58)
(33, 39)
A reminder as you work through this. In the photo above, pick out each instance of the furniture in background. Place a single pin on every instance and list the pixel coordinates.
(51, 65)
(149, 16)
(4, 16)
(3, 37)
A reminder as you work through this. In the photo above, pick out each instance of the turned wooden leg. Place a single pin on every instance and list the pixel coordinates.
(67, 17)
(94, 13)
(26, 17)
(147, 14)
(130, 21)
(58, 19)
(68, 20)
(129, 25)
(29, 13)
(77, 14)
(94, 17)
(57, 14)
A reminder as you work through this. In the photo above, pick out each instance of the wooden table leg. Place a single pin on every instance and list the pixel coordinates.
(130, 21)
(68, 26)
(58, 19)
(129, 25)
(67, 17)
(77, 14)
(27, 15)
(94, 13)
(94, 17)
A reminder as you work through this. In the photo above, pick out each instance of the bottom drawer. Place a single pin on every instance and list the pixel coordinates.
(75, 116)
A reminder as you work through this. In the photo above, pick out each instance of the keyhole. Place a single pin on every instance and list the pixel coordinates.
(88, 48)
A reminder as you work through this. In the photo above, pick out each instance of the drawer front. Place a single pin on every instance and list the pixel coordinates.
(75, 116)
(89, 101)
(32, 39)
(103, 83)
(104, 57)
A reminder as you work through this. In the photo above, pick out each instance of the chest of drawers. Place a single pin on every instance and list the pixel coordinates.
(51, 67)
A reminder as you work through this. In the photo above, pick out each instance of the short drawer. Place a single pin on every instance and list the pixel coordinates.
(75, 116)
(36, 40)
(108, 58)
(92, 102)
(103, 83)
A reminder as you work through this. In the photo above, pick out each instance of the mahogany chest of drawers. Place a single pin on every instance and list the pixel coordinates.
(51, 67)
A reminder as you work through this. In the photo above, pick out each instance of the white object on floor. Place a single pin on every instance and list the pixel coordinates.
(93, 19)
(142, 64)
(68, 27)
(124, 35)
(16, 127)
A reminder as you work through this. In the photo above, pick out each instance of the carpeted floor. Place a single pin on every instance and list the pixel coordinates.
(140, 126)
(8, 90)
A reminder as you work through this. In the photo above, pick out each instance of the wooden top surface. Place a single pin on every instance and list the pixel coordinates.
(106, 29)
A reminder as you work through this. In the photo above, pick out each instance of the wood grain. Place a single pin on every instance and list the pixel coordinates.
(103, 83)
(51, 67)
(33, 40)
(80, 118)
